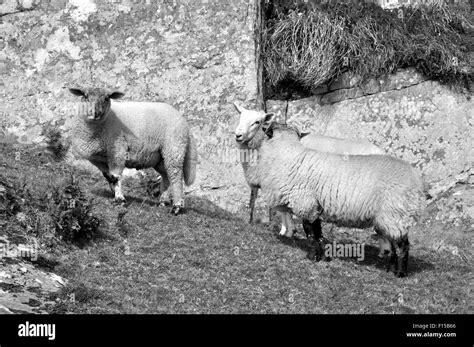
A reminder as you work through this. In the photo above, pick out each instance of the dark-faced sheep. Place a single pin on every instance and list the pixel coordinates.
(352, 191)
(250, 123)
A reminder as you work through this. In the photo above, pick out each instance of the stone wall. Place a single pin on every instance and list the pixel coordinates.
(420, 121)
(199, 56)
(195, 55)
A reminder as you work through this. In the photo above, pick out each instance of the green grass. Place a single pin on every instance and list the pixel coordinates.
(145, 260)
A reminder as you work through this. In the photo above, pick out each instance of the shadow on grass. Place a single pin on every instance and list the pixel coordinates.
(129, 199)
(302, 244)
(415, 264)
(197, 204)
(208, 208)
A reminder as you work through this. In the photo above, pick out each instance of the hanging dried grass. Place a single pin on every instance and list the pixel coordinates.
(310, 45)
(303, 48)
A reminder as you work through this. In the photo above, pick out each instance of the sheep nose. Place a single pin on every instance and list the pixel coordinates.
(238, 137)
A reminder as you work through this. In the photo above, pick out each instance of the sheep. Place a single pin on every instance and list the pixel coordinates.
(249, 124)
(114, 135)
(332, 145)
(246, 134)
(352, 191)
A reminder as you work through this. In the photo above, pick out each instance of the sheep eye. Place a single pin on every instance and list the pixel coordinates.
(257, 123)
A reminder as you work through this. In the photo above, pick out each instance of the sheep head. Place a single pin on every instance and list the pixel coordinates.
(96, 102)
(250, 123)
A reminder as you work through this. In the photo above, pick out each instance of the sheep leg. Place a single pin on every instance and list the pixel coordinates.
(177, 195)
(104, 168)
(387, 253)
(116, 182)
(110, 180)
(283, 223)
(391, 258)
(313, 229)
(165, 198)
(314, 233)
(318, 235)
(290, 225)
(402, 249)
(115, 172)
(287, 226)
(174, 169)
(385, 246)
(253, 197)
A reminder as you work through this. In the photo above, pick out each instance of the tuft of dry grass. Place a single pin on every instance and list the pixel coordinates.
(302, 47)
(311, 45)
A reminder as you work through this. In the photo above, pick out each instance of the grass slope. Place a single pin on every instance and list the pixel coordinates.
(145, 260)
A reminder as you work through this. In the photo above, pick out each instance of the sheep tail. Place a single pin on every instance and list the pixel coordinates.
(190, 161)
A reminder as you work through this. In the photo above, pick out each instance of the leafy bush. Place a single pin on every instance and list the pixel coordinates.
(72, 214)
(56, 144)
(13, 196)
(61, 211)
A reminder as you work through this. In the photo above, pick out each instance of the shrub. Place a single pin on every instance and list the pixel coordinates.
(13, 197)
(72, 214)
(56, 144)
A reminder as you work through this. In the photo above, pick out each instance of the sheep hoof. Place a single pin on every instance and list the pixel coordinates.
(327, 259)
(389, 266)
(251, 220)
(177, 209)
(164, 200)
(314, 256)
(400, 274)
(120, 200)
(287, 234)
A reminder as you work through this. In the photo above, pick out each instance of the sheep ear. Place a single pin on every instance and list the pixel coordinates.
(298, 133)
(238, 108)
(77, 92)
(269, 130)
(303, 135)
(116, 95)
(268, 122)
(268, 119)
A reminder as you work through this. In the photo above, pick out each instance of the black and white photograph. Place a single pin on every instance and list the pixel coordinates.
(304, 160)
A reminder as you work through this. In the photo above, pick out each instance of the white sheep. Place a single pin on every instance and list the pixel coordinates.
(114, 135)
(335, 145)
(353, 191)
(250, 123)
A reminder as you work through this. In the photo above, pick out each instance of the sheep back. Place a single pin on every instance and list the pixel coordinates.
(355, 191)
(336, 145)
(138, 131)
